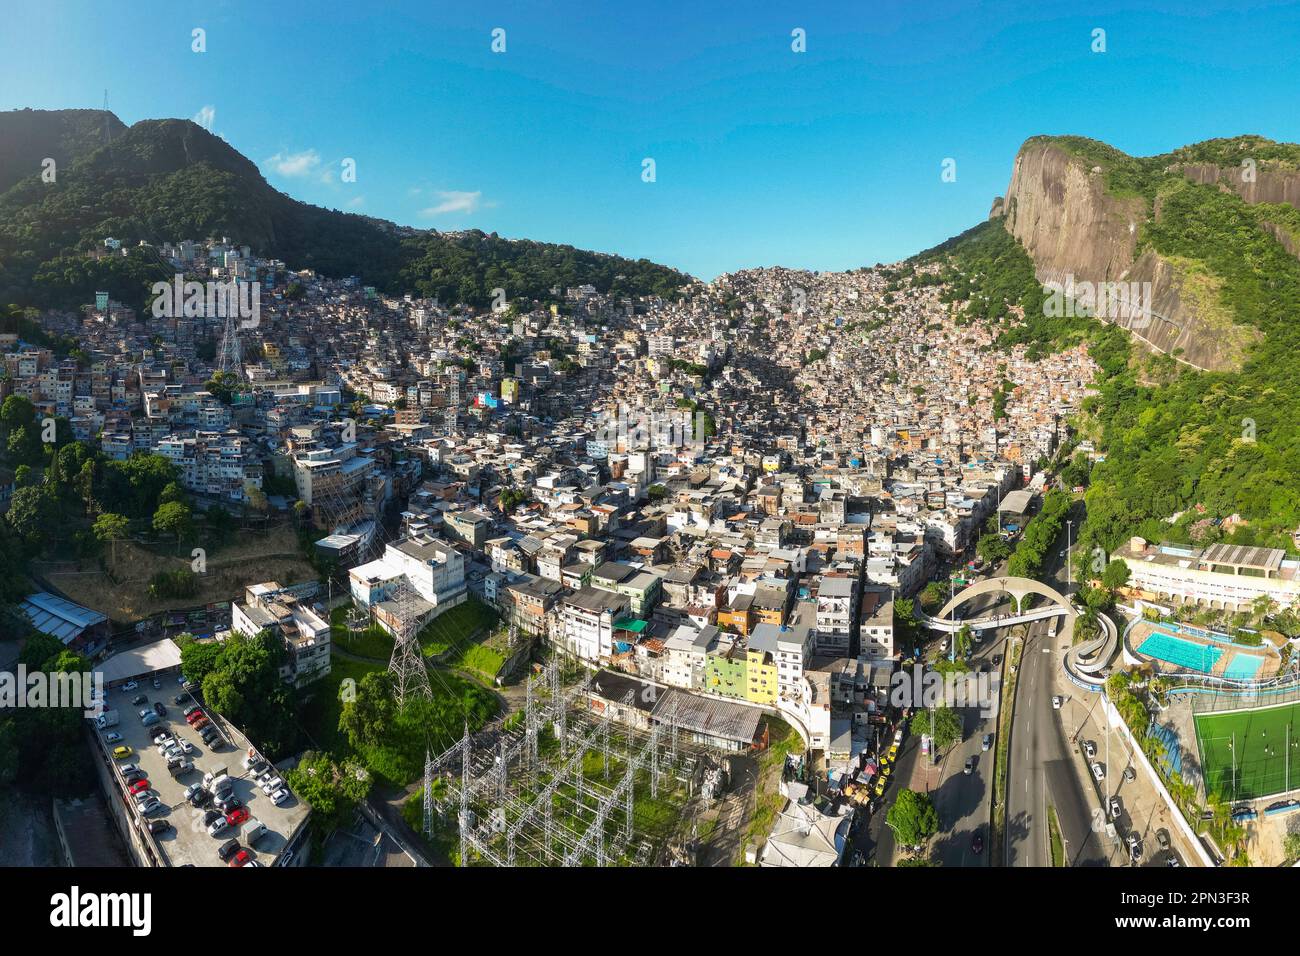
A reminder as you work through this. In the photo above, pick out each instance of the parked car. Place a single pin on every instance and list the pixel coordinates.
(1173, 859)
(139, 699)
(977, 843)
(280, 797)
(237, 816)
(1089, 749)
(192, 789)
(179, 699)
(151, 719)
(987, 742)
(227, 850)
(193, 714)
(1056, 702)
(1098, 772)
(997, 660)
(113, 738)
(130, 685)
(241, 858)
(228, 803)
(159, 708)
(157, 683)
(186, 746)
(150, 804)
(127, 768)
(1162, 838)
(139, 786)
(211, 817)
(970, 765)
(159, 826)
(1116, 808)
(1129, 773)
(133, 776)
(218, 827)
(121, 753)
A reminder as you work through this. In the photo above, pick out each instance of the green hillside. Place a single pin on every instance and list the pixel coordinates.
(171, 179)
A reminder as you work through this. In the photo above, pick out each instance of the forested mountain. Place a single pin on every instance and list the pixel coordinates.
(171, 179)
(1179, 442)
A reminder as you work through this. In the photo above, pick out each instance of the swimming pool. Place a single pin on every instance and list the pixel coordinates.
(1243, 667)
(1181, 653)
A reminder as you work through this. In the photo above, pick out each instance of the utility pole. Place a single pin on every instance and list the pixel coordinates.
(1069, 548)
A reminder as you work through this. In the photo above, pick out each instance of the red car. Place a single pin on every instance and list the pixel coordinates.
(200, 723)
(196, 716)
(237, 816)
(140, 786)
(241, 858)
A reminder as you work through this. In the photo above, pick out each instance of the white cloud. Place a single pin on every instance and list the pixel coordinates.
(356, 202)
(205, 117)
(295, 164)
(455, 201)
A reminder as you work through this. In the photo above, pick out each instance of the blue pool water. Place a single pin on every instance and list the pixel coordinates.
(1181, 653)
(1243, 667)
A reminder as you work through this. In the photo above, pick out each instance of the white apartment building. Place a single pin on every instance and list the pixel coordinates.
(214, 464)
(587, 622)
(1221, 577)
(836, 603)
(430, 567)
(305, 633)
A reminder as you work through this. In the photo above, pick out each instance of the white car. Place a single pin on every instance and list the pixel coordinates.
(130, 685)
(1089, 749)
(280, 796)
(218, 827)
(1098, 772)
(186, 746)
(125, 768)
(1056, 703)
(113, 738)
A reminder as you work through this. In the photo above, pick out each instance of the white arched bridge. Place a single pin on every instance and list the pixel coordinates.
(1017, 589)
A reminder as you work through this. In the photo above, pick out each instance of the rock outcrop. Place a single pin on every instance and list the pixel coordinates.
(1076, 231)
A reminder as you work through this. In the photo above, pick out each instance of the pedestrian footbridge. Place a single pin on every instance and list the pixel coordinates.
(1017, 589)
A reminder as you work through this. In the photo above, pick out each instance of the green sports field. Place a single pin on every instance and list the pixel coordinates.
(1255, 743)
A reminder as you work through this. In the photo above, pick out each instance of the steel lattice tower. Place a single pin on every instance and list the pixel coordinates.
(410, 674)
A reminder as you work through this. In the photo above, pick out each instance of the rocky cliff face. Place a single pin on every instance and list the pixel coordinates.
(1076, 231)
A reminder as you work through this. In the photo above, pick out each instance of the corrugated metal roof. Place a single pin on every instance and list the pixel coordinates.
(59, 617)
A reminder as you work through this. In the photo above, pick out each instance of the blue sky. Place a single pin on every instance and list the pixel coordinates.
(827, 159)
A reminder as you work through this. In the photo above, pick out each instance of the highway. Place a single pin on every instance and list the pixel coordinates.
(1039, 771)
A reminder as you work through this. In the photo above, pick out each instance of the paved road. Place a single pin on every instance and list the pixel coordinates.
(1039, 771)
(965, 802)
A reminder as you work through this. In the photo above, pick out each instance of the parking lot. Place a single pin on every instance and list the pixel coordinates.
(186, 842)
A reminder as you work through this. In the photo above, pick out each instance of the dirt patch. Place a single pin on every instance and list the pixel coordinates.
(124, 595)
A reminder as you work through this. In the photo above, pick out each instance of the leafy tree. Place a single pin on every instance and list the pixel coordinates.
(33, 515)
(368, 718)
(943, 724)
(913, 818)
(333, 790)
(112, 528)
(173, 517)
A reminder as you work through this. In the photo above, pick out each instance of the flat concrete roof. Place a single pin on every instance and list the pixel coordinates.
(188, 841)
(161, 655)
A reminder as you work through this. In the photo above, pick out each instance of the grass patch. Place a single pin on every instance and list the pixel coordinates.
(453, 629)
(783, 740)
(1254, 744)
(1003, 749)
(1054, 837)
